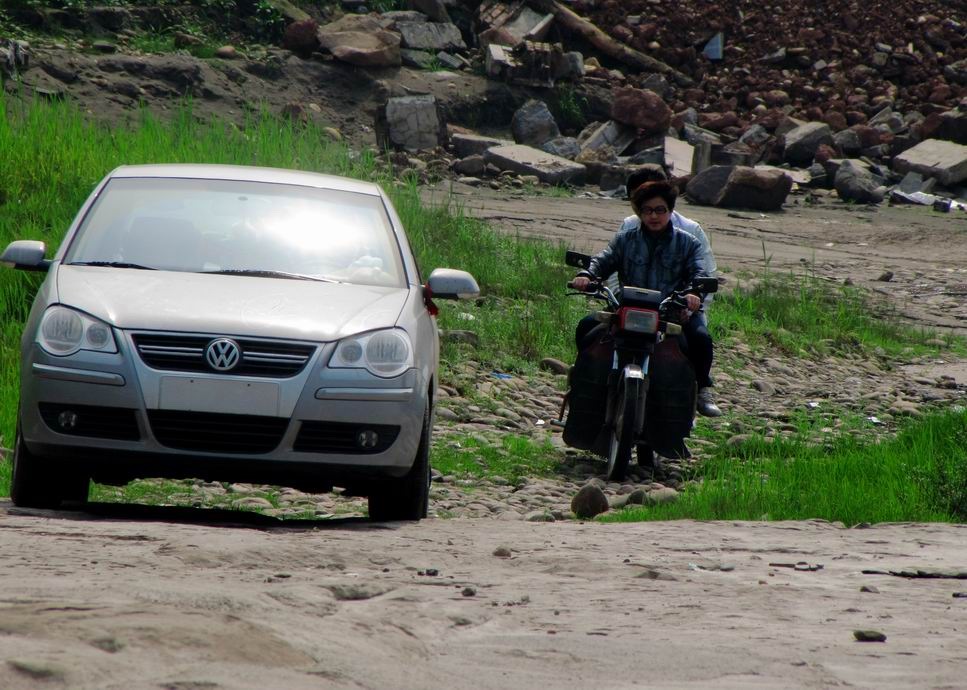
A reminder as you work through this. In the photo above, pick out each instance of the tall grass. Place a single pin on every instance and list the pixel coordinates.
(920, 475)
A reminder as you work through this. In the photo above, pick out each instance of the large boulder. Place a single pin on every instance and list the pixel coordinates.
(533, 124)
(640, 108)
(755, 188)
(361, 40)
(803, 142)
(707, 185)
(856, 183)
(436, 10)
(430, 36)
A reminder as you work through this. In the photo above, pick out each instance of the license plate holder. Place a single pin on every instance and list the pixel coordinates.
(193, 394)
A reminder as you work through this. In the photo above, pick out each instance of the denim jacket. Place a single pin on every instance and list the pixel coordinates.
(678, 259)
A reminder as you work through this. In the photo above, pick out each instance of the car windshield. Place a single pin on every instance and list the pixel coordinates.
(245, 228)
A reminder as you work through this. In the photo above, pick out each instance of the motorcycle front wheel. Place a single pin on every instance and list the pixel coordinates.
(623, 430)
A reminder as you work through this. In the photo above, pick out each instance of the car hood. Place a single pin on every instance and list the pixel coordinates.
(226, 304)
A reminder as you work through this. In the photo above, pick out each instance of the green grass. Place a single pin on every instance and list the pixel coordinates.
(919, 475)
(803, 315)
(517, 457)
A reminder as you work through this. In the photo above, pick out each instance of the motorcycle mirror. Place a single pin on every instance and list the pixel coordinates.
(706, 284)
(577, 259)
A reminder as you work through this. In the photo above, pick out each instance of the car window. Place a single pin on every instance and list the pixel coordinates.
(196, 225)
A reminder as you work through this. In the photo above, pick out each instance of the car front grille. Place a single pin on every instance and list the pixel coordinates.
(217, 433)
(91, 421)
(338, 437)
(179, 352)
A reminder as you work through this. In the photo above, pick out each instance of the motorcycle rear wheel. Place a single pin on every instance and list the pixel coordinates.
(623, 430)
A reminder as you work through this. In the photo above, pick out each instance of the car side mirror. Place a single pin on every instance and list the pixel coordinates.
(706, 284)
(27, 255)
(449, 283)
(577, 259)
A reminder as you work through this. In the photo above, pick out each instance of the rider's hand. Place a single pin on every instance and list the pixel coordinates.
(581, 283)
(693, 302)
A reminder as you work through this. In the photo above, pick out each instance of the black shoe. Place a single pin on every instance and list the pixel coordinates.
(706, 404)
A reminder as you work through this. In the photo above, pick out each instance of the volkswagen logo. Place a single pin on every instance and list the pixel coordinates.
(223, 354)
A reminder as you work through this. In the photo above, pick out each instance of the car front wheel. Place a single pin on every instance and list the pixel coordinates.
(39, 483)
(407, 498)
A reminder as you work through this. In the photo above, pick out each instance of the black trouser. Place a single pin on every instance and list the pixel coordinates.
(695, 341)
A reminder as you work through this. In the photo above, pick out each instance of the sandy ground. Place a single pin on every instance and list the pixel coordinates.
(134, 598)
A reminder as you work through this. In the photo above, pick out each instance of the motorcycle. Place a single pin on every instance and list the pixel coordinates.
(632, 386)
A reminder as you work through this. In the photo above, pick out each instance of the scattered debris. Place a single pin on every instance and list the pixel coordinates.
(869, 636)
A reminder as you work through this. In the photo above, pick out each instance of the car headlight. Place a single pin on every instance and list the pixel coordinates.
(382, 353)
(64, 331)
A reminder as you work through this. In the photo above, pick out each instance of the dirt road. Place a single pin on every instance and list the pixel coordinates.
(926, 252)
(163, 599)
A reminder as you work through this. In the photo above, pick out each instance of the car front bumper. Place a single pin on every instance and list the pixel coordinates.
(118, 419)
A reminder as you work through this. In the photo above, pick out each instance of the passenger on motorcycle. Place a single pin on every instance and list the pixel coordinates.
(656, 256)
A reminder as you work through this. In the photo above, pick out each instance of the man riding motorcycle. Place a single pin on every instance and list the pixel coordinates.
(655, 256)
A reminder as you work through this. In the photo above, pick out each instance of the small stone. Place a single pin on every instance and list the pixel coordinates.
(764, 387)
(40, 670)
(869, 636)
(589, 501)
(538, 516)
(869, 589)
(226, 53)
(886, 277)
(555, 365)
(469, 592)
(502, 552)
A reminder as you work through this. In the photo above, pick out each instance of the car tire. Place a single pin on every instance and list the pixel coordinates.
(39, 483)
(407, 498)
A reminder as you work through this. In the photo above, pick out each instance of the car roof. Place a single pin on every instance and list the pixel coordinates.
(247, 173)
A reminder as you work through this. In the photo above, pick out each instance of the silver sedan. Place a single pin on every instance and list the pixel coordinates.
(231, 323)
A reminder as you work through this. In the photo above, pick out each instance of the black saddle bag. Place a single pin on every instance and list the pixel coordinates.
(588, 390)
(670, 406)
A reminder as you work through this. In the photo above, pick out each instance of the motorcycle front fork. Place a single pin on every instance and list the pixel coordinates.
(614, 389)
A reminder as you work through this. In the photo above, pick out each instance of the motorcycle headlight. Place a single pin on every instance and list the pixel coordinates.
(382, 353)
(64, 331)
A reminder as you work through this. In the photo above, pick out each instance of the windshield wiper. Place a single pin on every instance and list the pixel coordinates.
(257, 273)
(112, 264)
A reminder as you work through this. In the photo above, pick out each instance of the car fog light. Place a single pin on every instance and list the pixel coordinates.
(67, 420)
(367, 439)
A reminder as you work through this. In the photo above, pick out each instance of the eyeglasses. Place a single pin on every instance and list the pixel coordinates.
(657, 210)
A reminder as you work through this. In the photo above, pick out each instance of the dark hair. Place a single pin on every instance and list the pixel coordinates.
(649, 172)
(650, 190)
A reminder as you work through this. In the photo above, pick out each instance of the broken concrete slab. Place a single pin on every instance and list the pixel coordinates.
(474, 144)
(944, 160)
(532, 64)
(430, 36)
(412, 123)
(511, 23)
(525, 160)
(679, 157)
(613, 134)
